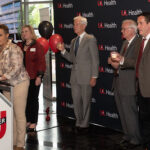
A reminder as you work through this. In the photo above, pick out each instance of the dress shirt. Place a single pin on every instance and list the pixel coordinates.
(146, 40)
(81, 37)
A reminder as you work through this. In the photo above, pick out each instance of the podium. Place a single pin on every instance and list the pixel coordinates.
(6, 118)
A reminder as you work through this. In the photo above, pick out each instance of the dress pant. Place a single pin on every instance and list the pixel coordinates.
(128, 112)
(81, 95)
(20, 92)
(144, 111)
(32, 102)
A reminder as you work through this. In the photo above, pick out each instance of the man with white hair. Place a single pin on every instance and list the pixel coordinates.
(124, 85)
(85, 58)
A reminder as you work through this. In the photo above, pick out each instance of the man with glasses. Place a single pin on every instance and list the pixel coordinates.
(124, 85)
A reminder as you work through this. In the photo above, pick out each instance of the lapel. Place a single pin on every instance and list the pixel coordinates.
(147, 49)
(123, 46)
(73, 42)
(131, 45)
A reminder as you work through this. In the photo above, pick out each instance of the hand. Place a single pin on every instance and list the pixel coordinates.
(2, 78)
(60, 46)
(38, 81)
(115, 64)
(93, 82)
(115, 56)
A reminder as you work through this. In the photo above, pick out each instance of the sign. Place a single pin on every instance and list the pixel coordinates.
(6, 123)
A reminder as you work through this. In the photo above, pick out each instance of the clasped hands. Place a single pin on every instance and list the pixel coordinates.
(114, 59)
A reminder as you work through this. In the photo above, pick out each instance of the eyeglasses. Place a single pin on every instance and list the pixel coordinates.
(125, 28)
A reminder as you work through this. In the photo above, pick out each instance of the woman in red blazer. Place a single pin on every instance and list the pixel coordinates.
(34, 61)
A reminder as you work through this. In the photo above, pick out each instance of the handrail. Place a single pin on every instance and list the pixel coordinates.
(5, 86)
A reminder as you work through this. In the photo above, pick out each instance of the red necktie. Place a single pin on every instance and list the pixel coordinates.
(139, 57)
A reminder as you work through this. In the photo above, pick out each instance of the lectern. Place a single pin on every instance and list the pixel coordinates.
(6, 118)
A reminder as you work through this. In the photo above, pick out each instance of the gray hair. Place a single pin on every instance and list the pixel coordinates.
(132, 24)
(83, 20)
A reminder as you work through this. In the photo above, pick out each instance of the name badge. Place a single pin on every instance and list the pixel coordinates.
(32, 49)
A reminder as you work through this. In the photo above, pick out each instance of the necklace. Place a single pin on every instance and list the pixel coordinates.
(28, 43)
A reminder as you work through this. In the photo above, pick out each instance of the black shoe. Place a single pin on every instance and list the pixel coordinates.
(132, 146)
(31, 130)
(129, 146)
(147, 147)
(123, 142)
(84, 131)
(74, 130)
(77, 130)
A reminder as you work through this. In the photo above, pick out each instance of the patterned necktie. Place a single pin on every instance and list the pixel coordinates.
(139, 57)
(76, 45)
(125, 48)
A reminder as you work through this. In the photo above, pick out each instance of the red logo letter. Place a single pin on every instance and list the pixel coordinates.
(2, 123)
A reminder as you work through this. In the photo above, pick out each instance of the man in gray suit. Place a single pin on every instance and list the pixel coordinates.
(124, 85)
(143, 76)
(85, 58)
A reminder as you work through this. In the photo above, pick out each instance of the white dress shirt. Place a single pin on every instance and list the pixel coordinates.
(146, 40)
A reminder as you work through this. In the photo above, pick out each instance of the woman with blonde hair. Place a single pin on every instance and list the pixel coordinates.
(34, 61)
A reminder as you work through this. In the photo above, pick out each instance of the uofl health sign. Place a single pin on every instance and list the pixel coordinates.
(6, 124)
(104, 22)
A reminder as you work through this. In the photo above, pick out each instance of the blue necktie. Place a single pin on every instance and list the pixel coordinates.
(76, 45)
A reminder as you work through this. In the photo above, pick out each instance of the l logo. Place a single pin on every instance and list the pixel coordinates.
(2, 123)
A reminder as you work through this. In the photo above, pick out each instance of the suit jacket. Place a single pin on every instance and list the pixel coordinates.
(144, 70)
(127, 75)
(86, 61)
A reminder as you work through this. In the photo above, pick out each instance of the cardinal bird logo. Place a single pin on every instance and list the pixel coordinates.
(2, 123)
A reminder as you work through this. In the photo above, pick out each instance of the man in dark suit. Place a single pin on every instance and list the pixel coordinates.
(84, 56)
(143, 76)
(124, 85)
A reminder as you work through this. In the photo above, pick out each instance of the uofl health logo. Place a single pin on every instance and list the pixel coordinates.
(131, 12)
(2, 123)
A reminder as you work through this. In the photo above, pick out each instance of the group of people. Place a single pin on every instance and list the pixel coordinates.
(131, 81)
(23, 67)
